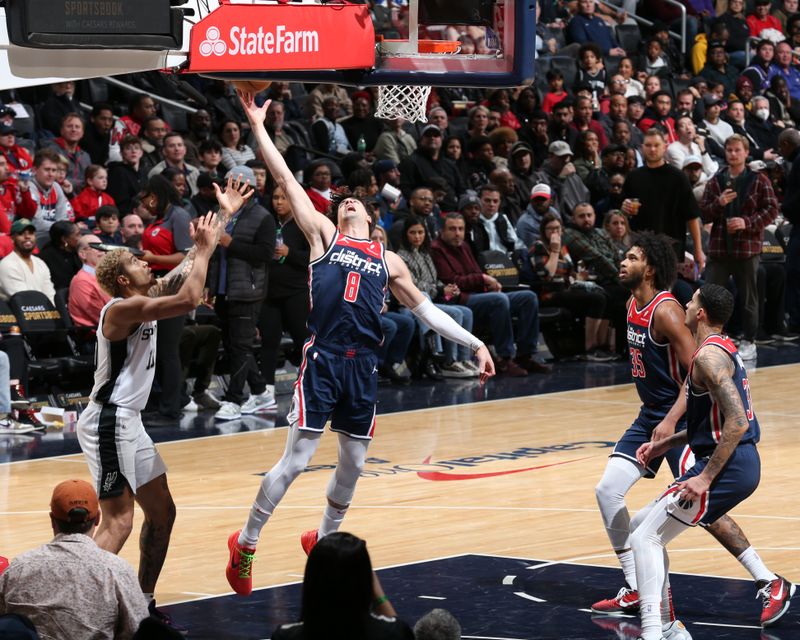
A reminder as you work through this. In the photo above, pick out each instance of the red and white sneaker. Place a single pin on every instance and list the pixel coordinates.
(624, 603)
(3, 564)
(239, 571)
(775, 597)
(308, 539)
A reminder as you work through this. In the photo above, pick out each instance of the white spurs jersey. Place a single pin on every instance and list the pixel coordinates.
(125, 368)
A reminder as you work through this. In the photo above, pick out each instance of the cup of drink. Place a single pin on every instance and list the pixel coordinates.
(635, 204)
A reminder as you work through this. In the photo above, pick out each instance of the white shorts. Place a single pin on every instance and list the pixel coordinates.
(118, 450)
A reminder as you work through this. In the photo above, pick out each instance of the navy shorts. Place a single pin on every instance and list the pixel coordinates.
(340, 384)
(738, 479)
(679, 459)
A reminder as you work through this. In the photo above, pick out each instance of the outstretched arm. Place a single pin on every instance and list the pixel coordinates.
(230, 201)
(317, 228)
(713, 369)
(403, 288)
(122, 317)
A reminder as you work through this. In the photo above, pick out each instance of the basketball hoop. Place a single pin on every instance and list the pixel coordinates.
(402, 101)
(409, 101)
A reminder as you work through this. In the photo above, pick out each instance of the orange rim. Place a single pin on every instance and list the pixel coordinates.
(431, 46)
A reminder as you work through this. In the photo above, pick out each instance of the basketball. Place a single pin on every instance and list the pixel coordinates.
(251, 86)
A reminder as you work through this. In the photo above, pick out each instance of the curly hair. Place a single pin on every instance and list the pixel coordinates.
(659, 253)
(343, 194)
(108, 269)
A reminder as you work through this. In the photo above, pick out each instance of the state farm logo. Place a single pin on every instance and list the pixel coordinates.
(212, 45)
(242, 42)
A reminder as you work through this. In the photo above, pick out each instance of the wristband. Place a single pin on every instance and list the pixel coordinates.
(377, 602)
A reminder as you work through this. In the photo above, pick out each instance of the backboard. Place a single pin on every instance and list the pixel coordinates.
(337, 43)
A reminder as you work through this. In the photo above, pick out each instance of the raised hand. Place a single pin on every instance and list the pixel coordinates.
(204, 232)
(234, 196)
(255, 114)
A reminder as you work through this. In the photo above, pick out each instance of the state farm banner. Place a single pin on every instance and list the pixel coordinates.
(289, 37)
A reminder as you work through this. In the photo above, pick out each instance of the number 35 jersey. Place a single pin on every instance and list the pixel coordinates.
(347, 288)
(125, 368)
(704, 419)
(654, 367)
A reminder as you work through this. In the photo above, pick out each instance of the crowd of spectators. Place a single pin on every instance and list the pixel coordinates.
(505, 202)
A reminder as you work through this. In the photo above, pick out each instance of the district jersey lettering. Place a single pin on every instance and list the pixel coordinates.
(125, 368)
(347, 288)
(654, 367)
(704, 417)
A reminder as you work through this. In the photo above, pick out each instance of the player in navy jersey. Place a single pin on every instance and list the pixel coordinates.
(660, 347)
(338, 377)
(722, 430)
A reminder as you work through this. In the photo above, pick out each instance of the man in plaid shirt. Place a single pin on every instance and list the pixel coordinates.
(739, 203)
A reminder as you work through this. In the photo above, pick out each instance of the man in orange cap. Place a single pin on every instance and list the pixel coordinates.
(69, 587)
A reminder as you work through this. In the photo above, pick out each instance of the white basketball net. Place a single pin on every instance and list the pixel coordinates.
(402, 101)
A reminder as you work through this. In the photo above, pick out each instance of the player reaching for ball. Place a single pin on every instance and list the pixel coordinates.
(348, 275)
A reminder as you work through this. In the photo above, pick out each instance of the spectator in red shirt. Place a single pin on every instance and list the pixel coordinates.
(18, 157)
(582, 120)
(761, 19)
(93, 195)
(662, 106)
(86, 298)
(8, 195)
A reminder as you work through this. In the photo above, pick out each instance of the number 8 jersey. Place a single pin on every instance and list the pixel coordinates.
(654, 366)
(704, 419)
(347, 286)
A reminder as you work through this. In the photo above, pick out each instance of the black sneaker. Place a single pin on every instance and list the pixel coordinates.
(598, 355)
(166, 619)
(786, 336)
(764, 338)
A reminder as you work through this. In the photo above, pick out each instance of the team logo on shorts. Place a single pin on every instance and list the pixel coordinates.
(109, 481)
(683, 503)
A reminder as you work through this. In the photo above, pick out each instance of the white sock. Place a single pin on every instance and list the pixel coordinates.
(755, 565)
(331, 520)
(628, 567)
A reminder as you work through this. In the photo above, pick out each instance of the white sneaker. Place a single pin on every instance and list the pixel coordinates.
(472, 366)
(7, 425)
(191, 406)
(747, 350)
(675, 630)
(261, 402)
(228, 411)
(454, 370)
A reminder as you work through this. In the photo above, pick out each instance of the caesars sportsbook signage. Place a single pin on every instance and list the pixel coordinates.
(283, 38)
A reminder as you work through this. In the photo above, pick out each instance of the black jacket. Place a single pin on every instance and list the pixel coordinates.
(248, 256)
(418, 168)
(124, 182)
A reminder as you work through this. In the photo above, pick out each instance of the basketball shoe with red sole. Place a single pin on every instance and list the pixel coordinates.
(239, 571)
(624, 603)
(308, 539)
(775, 597)
(3, 564)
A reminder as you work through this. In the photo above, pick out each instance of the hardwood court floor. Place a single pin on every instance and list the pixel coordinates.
(507, 477)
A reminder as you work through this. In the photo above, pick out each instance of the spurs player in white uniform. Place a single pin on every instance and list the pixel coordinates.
(122, 458)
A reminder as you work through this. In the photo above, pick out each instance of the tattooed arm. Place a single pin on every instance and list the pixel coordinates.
(713, 369)
(230, 201)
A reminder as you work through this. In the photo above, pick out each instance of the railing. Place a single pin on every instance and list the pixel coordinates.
(681, 37)
(157, 98)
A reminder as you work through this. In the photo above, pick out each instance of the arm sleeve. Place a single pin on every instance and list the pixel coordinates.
(444, 325)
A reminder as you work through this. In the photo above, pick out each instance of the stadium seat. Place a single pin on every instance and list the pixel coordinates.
(46, 336)
(629, 38)
(562, 332)
(84, 337)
